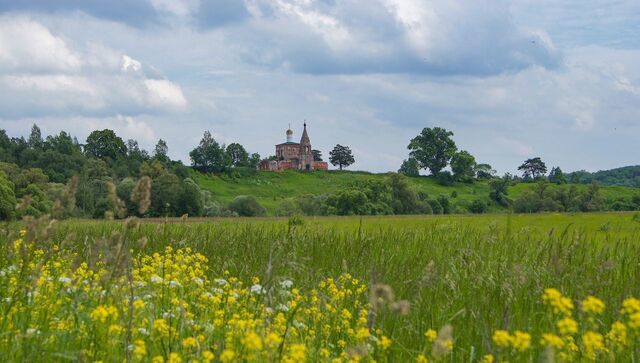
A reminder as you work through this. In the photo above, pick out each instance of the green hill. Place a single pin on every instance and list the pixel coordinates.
(271, 188)
(625, 176)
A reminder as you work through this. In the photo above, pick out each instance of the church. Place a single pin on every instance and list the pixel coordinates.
(292, 155)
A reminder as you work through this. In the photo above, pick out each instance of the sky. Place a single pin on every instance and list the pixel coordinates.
(511, 79)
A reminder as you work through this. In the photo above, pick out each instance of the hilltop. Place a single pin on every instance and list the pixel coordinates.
(272, 188)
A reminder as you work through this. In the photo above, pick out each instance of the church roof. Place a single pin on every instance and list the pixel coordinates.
(305, 136)
(288, 143)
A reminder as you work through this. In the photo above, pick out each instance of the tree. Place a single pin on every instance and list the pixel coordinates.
(410, 167)
(254, 160)
(484, 171)
(317, 155)
(247, 206)
(7, 198)
(35, 138)
(237, 154)
(499, 190)
(341, 156)
(557, 176)
(209, 156)
(463, 165)
(404, 200)
(533, 168)
(161, 151)
(433, 148)
(105, 144)
(478, 207)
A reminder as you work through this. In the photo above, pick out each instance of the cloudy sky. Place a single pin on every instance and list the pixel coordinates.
(512, 80)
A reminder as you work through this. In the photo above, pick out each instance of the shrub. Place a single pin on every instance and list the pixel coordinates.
(247, 206)
(478, 207)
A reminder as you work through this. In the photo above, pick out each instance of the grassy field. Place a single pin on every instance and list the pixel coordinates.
(478, 274)
(270, 188)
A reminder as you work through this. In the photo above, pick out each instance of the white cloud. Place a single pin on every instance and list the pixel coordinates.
(26, 45)
(42, 74)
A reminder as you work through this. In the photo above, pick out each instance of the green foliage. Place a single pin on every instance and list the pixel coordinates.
(247, 206)
(625, 176)
(433, 148)
(410, 167)
(478, 207)
(341, 156)
(484, 171)
(499, 190)
(463, 166)
(557, 176)
(445, 178)
(533, 169)
(349, 202)
(317, 155)
(105, 144)
(7, 198)
(209, 156)
(237, 155)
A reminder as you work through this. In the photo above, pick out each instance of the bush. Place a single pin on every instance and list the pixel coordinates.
(445, 178)
(247, 206)
(287, 208)
(478, 207)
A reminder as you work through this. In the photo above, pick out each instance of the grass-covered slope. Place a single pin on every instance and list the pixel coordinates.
(270, 188)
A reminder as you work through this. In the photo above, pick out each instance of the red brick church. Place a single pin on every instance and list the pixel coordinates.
(293, 155)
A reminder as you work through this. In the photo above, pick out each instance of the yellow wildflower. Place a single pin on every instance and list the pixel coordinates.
(138, 304)
(252, 341)
(421, 359)
(521, 341)
(190, 343)
(431, 335)
(593, 344)
(567, 326)
(207, 356)
(487, 358)
(593, 305)
(227, 355)
(502, 338)
(174, 358)
(550, 339)
(384, 342)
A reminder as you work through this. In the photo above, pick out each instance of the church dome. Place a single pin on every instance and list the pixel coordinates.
(289, 132)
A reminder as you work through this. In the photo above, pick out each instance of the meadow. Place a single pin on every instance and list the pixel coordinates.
(431, 288)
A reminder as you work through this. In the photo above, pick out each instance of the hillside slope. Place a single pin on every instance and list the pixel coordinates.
(626, 176)
(271, 188)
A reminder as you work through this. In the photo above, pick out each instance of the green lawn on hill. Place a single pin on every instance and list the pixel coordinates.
(270, 188)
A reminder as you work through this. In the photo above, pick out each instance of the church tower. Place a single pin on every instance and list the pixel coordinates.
(306, 156)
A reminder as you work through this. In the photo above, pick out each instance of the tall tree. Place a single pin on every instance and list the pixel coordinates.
(317, 155)
(35, 138)
(410, 167)
(557, 176)
(533, 168)
(161, 151)
(237, 154)
(433, 148)
(484, 171)
(105, 144)
(499, 190)
(463, 165)
(254, 160)
(341, 156)
(209, 156)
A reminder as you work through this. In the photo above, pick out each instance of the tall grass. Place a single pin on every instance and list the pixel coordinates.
(475, 273)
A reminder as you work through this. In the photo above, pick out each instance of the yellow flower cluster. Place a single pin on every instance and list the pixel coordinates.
(167, 309)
